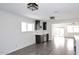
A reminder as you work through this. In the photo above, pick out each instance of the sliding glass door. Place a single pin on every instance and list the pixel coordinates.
(63, 37)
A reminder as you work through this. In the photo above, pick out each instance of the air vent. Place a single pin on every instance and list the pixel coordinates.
(52, 17)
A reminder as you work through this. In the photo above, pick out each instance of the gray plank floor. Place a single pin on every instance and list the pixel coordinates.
(47, 48)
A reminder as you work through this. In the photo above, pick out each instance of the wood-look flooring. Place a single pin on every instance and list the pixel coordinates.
(46, 48)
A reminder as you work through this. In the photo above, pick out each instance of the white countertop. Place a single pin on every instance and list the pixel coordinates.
(41, 32)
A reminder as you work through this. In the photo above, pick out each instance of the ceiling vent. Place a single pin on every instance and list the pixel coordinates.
(32, 6)
(52, 17)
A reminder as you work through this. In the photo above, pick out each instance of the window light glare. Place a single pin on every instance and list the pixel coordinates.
(23, 26)
(27, 27)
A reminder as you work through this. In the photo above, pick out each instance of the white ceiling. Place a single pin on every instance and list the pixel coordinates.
(59, 10)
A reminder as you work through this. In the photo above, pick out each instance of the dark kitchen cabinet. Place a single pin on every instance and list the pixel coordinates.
(37, 24)
(47, 39)
(39, 39)
(42, 38)
(44, 26)
(40, 25)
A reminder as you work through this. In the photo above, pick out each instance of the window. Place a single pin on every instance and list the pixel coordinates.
(27, 27)
(70, 29)
(58, 35)
(59, 31)
(76, 29)
(30, 27)
(23, 27)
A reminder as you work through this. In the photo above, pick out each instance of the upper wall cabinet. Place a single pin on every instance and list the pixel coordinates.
(37, 24)
(40, 25)
(44, 26)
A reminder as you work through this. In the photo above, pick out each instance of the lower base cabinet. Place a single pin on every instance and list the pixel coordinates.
(42, 38)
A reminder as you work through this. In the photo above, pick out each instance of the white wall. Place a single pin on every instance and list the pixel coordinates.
(11, 37)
